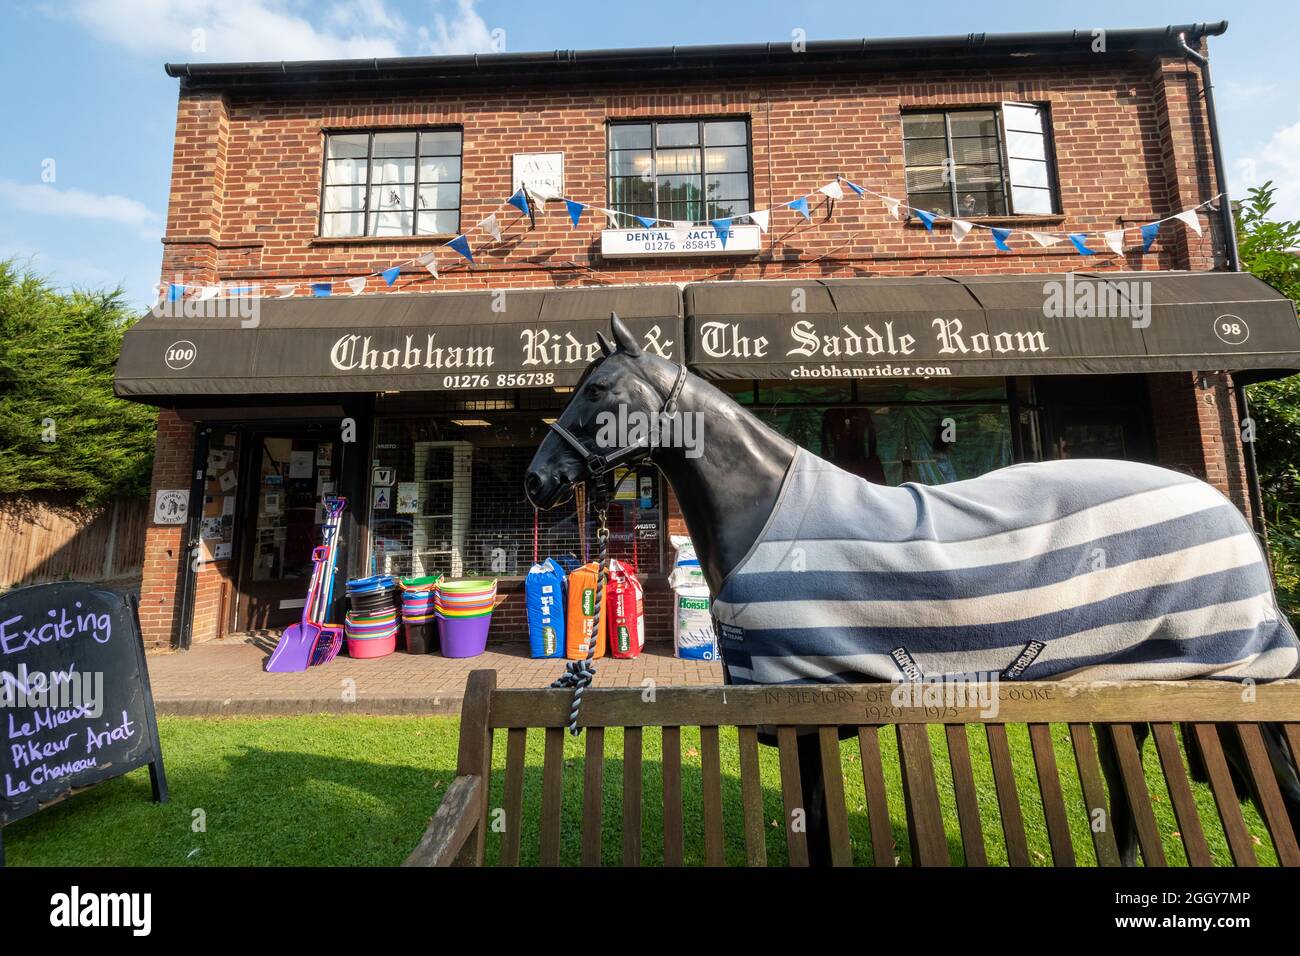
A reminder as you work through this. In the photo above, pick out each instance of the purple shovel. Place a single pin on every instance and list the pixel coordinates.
(294, 651)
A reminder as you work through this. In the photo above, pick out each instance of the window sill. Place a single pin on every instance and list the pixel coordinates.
(430, 238)
(1054, 219)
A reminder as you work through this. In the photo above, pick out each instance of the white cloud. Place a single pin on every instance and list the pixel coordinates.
(46, 200)
(1278, 160)
(244, 30)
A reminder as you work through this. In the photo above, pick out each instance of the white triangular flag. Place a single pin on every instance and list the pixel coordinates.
(357, 285)
(1115, 240)
(959, 229)
(611, 217)
(286, 290)
(832, 189)
(1044, 238)
(759, 218)
(492, 227)
(430, 262)
(892, 205)
(1189, 216)
(682, 231)
(208, 292)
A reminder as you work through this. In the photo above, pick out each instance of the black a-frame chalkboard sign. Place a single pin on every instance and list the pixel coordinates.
(75, 703)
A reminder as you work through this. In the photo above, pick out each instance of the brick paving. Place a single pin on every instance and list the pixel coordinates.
(226, 678)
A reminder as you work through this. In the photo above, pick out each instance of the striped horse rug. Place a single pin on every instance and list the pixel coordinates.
(1083, 569)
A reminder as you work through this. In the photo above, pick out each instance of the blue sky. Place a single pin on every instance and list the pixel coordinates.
(89, 113)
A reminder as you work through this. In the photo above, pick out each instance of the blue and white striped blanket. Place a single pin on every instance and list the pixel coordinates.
(1119, 570)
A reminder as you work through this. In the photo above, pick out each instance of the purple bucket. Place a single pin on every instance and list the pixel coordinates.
(464, 636)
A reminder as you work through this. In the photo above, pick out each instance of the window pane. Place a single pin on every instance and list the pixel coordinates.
(670, 161)
(440, 143)
(731, 159)
(974, 123)
(392, 171)
(721, 210)
(926, 179)
(692, 211)
(679, 188)
(1026, 145)
(931, 202)
(444, 223)
(443, 169)
(979, 177)
(628, 162)
(392, 197)
(731, 186)
(976, 149)
(925, 152)
(394, 144)
(342, 224)
(726, 134)
(632, 189)
(440, 197)
(1023, 117)
(344, 198)
(351, 145)
(629, 137)
(1032, 201)
(1028, 172)
(626, 221)
(341, 171)
(677, 134)
(975, 203)
(922, 124)
(400, 222)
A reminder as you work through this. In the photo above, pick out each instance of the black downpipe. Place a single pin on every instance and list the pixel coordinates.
(184, 619)
(1234, 263)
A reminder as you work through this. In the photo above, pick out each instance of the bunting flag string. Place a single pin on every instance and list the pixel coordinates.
(530, 204)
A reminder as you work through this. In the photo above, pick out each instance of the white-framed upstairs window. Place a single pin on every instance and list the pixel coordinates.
(990, 161)
(391, 183)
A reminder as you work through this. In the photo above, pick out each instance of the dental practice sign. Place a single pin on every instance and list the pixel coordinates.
(75, 704)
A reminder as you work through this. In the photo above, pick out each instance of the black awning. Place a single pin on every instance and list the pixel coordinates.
(375, 343)
(1049, 324)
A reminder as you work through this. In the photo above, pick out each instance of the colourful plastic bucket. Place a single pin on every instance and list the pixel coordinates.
(458, 585)
(464, 636)
(373, 647)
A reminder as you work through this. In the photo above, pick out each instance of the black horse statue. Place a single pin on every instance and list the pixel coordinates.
(1077, 570)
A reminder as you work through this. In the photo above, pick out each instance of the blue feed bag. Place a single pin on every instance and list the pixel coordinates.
(544, 595)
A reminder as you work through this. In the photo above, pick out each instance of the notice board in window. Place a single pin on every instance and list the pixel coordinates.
(77, 705)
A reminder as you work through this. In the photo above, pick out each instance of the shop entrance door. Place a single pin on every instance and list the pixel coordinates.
(289, 475)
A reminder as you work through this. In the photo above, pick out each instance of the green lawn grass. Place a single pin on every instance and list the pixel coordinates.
(331, 790)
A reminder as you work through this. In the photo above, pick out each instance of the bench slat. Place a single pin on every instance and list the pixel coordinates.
(873, 782)
(1139, 797)
(921, 795)
(711, 784)
(1268, 796)
(1049, 789)
(593, 797)
(751, 795)
(1180, 794)
(451, 826)
(632, 796)
(1004, 779)
(1094, 794)
(837, 813)
(672, 762)
(516, 747)
(968, 806)
(792, 796)
(552, 796)
(1225, 795)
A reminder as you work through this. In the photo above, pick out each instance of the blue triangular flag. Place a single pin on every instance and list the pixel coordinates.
(1000, 238)
(1149, 232)
(175, 292)
(575, 210)
(390, 275)
(461, 245)
(645, 221)
(854, 186)
(800, 206)
(322, 289)
(723, 228)
(927, 220)
(1076, 239)
(520, 201)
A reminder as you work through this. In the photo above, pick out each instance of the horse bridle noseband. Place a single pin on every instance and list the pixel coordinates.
(599, 465)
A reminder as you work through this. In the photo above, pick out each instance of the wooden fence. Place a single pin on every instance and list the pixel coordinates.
(50, 539)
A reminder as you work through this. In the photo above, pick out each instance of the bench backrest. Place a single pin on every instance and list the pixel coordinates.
(948, 806)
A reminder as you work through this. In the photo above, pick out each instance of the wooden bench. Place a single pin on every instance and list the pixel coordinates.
(823, 714)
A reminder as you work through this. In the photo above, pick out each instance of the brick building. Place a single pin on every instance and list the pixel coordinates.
(295, 174)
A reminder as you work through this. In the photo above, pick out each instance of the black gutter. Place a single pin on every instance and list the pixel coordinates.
(871, 53)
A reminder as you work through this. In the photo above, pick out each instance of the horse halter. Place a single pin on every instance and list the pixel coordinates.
(598, 465)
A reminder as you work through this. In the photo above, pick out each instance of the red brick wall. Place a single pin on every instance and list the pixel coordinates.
(164, 544)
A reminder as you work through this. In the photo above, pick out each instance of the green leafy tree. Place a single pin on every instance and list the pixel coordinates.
(61, 428)
(1270, 249)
